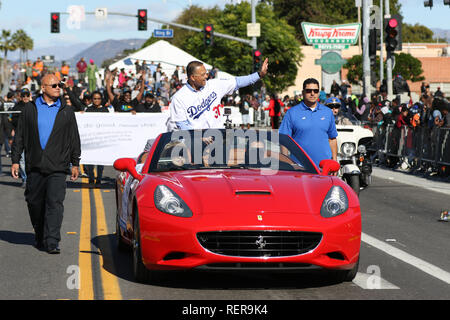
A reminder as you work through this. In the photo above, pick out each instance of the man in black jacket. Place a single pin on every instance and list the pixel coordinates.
(48, 133)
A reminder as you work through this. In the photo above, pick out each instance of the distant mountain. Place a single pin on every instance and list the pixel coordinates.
(61, 53)
(99, 51)
(103, 50)
(441, 33)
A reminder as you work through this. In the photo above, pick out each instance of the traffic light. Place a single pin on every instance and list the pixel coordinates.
(429, 3)
(54, 22)
(208, 34)
(142, 19)
(257, 58)
(374, 42)
(393, 29)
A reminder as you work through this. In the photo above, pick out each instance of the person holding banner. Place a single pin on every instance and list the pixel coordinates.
(96, 107)
(196, 104)
(48, 133)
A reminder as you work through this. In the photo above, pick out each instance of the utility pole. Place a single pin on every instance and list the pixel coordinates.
(389, 58)
(253, 41)
(366, 58)
(381, 43)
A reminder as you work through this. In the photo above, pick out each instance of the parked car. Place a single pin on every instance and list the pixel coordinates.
(238, 200)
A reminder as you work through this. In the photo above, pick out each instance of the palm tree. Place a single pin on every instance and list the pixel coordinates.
(23, 42)
(6, 42)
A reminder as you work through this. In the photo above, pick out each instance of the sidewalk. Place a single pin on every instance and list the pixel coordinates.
(433, 184)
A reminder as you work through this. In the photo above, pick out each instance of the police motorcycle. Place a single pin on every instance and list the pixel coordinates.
(352, 141)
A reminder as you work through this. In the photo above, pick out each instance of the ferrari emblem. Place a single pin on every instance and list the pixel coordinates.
(259, 218)
(260, 243)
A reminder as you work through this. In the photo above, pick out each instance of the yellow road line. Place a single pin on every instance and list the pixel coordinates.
(86, 291)
(110, 284)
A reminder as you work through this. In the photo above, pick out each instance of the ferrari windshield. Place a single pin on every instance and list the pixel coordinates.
(228, 149)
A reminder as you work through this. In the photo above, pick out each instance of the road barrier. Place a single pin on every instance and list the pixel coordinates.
(419, 146)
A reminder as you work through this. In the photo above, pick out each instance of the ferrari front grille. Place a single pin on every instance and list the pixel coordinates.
(267, 243)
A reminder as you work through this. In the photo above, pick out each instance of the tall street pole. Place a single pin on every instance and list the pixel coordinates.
(254, 43)
(366, 58)
(389, 57)
(381, 43)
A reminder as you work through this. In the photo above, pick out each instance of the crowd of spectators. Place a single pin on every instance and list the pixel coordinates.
(147, 88)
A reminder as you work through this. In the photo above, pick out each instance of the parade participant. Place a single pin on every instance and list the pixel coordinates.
(91, 71)
(335, 105)
(150, 104)
(81, 68)
(96, 107)
(25, 102)
(48, 133)
(312, 125)
(196, 104)
(124, 103)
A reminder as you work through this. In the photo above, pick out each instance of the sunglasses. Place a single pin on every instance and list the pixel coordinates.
(333, 106)
(54, 85)
(312, 90)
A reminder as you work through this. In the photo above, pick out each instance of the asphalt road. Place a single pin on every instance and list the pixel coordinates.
(404, 252)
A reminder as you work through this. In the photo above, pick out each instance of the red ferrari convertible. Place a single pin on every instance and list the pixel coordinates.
(234, 199)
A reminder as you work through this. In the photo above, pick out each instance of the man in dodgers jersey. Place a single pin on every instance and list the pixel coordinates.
(196, 105)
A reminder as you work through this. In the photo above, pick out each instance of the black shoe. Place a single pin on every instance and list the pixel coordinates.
(39, 245)
(54, 250)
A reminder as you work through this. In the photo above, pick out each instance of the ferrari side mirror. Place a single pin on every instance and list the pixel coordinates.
(127, 164)
(329, 166)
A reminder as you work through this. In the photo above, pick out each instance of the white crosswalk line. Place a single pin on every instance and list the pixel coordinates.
(407, 258)
(372, 281)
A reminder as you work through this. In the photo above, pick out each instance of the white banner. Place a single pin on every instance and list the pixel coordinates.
(106, 137)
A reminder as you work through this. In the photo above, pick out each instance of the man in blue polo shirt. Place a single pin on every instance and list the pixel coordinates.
(312, 125)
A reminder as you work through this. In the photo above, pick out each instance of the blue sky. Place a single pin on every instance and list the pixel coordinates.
(34, 17)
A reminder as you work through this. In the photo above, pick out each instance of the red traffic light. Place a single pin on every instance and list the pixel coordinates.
(55, 16)
(208, 28)
(257, 53)
(393, 23)
(142, 13)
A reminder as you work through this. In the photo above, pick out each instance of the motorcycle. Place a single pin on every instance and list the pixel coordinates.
(356, 167)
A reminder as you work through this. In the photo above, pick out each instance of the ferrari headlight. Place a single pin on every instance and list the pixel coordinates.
(169, 202)
(335, 203)
(348, 148)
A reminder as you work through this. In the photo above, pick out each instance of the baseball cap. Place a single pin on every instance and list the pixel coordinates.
(332, 100)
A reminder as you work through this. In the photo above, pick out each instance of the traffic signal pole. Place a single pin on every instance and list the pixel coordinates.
(178, 25)
(366, 58)
(254, 41)
(389, 58)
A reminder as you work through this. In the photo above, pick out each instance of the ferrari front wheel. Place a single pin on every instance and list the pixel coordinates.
(347, 275)
(141, 273)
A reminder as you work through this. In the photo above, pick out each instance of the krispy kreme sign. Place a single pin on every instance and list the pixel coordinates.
(344, 34)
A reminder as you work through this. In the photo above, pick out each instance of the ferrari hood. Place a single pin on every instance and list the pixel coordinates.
(224, 191)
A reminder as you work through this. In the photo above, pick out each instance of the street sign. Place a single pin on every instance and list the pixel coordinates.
(331, 62)
(101, 13)
(163, 33)
(48, 59)
(253, 30)
(319, 34)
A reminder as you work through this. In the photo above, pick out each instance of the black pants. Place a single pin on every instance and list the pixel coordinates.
(90, 173)
(45, 195)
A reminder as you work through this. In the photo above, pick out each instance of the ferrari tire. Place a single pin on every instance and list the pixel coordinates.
(140, 271)
(347, 275)
(121, 245)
